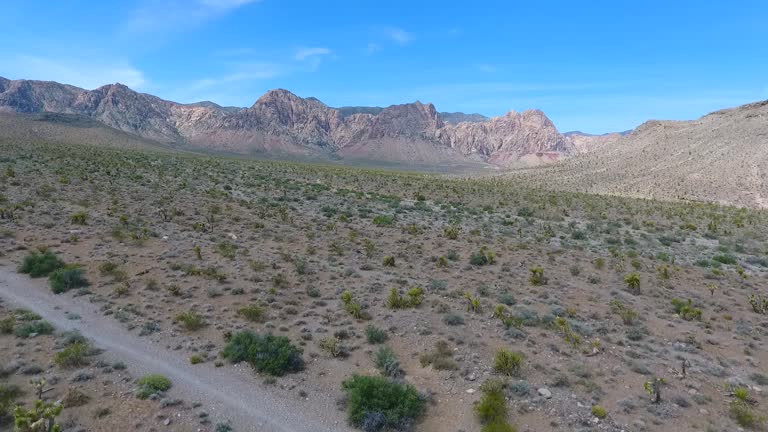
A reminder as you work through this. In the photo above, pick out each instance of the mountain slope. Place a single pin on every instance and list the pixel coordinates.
(721, 157)
(283, 123)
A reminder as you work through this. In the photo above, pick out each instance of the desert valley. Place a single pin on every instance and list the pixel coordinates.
(296, 267)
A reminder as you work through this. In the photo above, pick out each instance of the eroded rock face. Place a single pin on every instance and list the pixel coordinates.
(280, 121)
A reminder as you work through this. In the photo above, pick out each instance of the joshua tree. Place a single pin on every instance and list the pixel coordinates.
(653, 388)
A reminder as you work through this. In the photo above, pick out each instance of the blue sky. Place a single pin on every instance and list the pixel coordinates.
(596, 66)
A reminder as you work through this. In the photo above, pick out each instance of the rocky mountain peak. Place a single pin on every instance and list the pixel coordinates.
(282, 121)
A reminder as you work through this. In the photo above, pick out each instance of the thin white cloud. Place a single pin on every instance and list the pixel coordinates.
(85, 73)
(398, 35)
(485, 67)
(245, 72)
(174, 15)
(373, 47)
(305, 53)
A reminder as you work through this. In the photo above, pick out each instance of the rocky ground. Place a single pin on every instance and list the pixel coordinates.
(159, 235)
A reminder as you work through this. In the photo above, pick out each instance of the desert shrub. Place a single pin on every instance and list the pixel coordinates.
(75, 398)
(8, 395)
(386, 362)
(191, 320)
(331, 345)
(40, 264)
(353, 307)
(759, 378)
(740, 409)
(73, 355)
(375, 335)
(196, 359)
(509, 363)
(725, 259)
(482, 257)
(507, 299)
(389, 261)
(441, 358)
(152, 384)
(453, 319)
(633, 282)
(273, 355)
(491, 409)
(253, 313)
(35, 327)
(376, 403)
(67, 278)
(384, 220)
(627, 314)
(599, 411)
(79, 218)
(759, 303)
(686, 309)
(537, 276)
(414, 297)
(452, 232)
(7, 324)
(565, 328)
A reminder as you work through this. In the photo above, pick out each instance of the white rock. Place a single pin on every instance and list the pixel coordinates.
(545, 393)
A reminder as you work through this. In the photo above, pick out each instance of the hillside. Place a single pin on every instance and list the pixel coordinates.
(721, 157)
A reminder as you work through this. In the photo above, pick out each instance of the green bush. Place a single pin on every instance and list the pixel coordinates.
(34, 327)
(537, 276)
(273, 355)
(151, 384)
(509, 363)
(686, 309)
(191, 320)
(492, 408)
(67, 278)
(376, 403)
(483, 257)
(599, 412)
(39, 264)
(725, 259)
(73, 356)
(384, 220)
(375, 335)
(254, 313)
(80, 218)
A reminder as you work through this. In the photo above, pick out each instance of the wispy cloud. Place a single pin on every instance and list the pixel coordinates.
(485, 67)
(373, 47)
(305, 53)
(398, 35)
(85, 73)
(174, 15)
(244, 72)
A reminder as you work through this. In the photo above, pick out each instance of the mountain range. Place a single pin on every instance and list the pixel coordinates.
(281, 123)
(721, 157)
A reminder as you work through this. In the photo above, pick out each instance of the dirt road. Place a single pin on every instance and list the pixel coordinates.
(227, 394)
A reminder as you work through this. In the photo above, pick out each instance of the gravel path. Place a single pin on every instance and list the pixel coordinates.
(226, 394)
